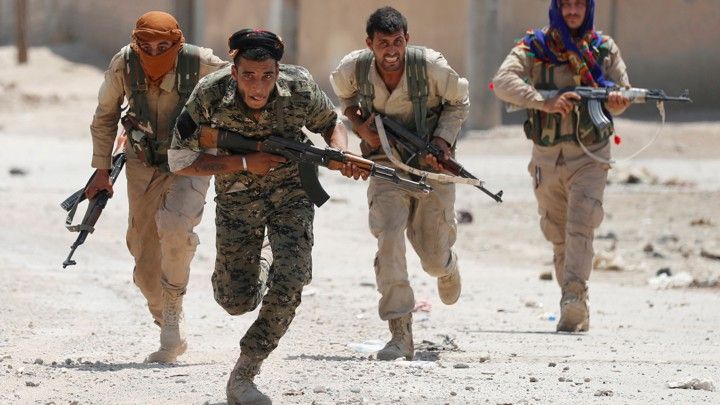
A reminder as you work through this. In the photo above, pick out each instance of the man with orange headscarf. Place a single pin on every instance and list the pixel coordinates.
(155, 73)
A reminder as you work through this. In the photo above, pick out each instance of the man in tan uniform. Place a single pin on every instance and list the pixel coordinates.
(428, 220)
(569, 183)
(164, 208)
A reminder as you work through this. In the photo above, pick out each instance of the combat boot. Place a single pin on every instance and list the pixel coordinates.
(574, 308)
(449, 287)
(401, 344)
(240, 387)
(172, 330)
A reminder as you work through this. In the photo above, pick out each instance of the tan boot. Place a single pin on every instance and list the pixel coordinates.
(574, 308)
(240, 387)
(449, 287)
(401, 344)
(172, 330)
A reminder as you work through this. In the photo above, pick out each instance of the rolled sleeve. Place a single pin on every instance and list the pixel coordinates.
(179, 159)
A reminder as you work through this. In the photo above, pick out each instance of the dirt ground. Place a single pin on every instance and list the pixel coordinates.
(79, 335)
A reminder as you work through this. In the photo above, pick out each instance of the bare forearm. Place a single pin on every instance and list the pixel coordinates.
(338, 137)
(208, 165)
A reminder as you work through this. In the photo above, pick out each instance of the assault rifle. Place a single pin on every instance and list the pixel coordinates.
(595, 96)
(417, 146)
(308, 158)
(95, 205)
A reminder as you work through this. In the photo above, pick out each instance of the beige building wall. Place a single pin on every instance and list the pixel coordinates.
(324, 41)
(666, 43)
(107, 25)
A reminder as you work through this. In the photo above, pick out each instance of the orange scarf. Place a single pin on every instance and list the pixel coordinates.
(157, 26)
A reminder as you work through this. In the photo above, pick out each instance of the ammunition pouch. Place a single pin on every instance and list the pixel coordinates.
(151, 152)
(594, 126)
(544, 129)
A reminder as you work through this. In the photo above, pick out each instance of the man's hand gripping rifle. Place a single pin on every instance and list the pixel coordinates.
(596, 96)
(307, 156)
(391, 131)
(95, 204)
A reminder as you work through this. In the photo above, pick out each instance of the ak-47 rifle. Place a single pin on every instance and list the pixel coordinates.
(401, 136)
(95, 204)
(307, 156)
(595, 96)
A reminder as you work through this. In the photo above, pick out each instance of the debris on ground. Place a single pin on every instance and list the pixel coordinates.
(368, 346)
(463, 217)
(701, 222)
(666, 239)
(665, 270)
(446, 345)
(546, 275)
(677, 182)
(664, 282)
(608, 261)
(533, 304)
(293, 392)
(16, 171)
(709, 255)
(422, 305)
(548, 316)
(632, 176)
(694, 384)
(609, 236)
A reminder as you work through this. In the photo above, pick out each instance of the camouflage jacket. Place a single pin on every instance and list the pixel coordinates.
(297, 102)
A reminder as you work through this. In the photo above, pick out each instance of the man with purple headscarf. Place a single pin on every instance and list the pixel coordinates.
(568, 177)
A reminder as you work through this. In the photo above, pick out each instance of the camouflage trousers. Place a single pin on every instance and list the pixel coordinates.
(239, 281)
(163, 210)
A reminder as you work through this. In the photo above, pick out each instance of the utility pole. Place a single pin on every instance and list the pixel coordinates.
(283, 20)
(21, 28)
(483, 58)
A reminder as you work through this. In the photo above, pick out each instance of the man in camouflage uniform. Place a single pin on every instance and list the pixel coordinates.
(568, 182)
(163, 208)
(428, 220)
(257, 97)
